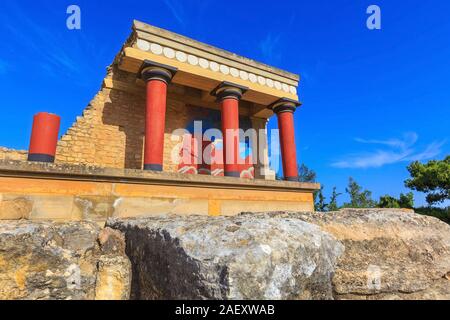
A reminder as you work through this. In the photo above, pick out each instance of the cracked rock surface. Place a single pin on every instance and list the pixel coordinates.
(62, 261)
(350, 254)
(389, 254)
(245, 257)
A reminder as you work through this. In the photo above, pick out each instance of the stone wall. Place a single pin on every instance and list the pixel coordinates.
(38, 191)
(11, 154)
(110, 133)
(111, 130)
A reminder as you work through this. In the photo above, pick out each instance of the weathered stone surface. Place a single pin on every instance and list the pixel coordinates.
(389, 254)
(43, 260)
(351, 254)
(11, 154)
(14, 207)
(244, 257)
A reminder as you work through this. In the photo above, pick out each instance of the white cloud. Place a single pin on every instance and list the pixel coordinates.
(409, 139)
(396, 150)
(177, 10)
(269, 48)
(431, 151)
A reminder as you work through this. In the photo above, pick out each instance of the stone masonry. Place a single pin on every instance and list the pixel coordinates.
(11, 154)
(110, 133)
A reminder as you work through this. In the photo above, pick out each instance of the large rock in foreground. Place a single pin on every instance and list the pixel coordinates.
(389, 254)
(51, 261)
(351, 254)
(244, 257)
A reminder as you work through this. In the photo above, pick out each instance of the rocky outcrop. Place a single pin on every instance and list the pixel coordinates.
(246, 257)
(351, 254)
(76, 260)
(389, 254)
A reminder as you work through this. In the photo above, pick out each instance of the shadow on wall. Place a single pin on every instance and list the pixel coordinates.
(127, 112)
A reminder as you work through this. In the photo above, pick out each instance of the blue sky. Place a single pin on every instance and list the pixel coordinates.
(374, 100)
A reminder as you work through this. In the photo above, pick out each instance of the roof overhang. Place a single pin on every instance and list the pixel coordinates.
(204, 67)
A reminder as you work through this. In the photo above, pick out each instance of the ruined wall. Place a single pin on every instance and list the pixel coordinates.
(11, 154)
(39, 191)
(111, 131)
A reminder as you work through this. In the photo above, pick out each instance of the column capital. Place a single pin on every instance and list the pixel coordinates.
(229, 90)
(156, 71)
(285, 105)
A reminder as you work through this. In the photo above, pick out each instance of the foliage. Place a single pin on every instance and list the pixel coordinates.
(432, 178)
(359, 198)
(305, 174)
(320, 204)
(440, 213)
(406, 201)
(388, 202)
(333, 206)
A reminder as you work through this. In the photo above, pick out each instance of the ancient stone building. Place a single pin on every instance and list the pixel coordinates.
(140, 131)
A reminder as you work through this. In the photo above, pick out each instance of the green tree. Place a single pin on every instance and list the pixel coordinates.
(432, 178)
(305, 174)
(320, 204)
(359, 198)
(406, 200)
(333, 206)
(388, 202)
(440, 213)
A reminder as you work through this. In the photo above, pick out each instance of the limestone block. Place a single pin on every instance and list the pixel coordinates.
(243, 257)
(14, 207)
(143, 206)
(54, 207)
(64, 261)
(351, 254)
(389, 254)
(95, 208)
(234, 207)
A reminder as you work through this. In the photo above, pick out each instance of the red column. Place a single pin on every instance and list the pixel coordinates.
(229, 95)
(44, 137)
(285, 111)
(155, 125)
(230, 131)
(157, 77)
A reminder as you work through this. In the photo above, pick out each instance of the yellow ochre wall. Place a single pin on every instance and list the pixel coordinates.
(53, 199)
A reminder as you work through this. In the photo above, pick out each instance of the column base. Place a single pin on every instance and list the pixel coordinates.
(153, 167)
(38, 157)
(292, 179)
(233, 174)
